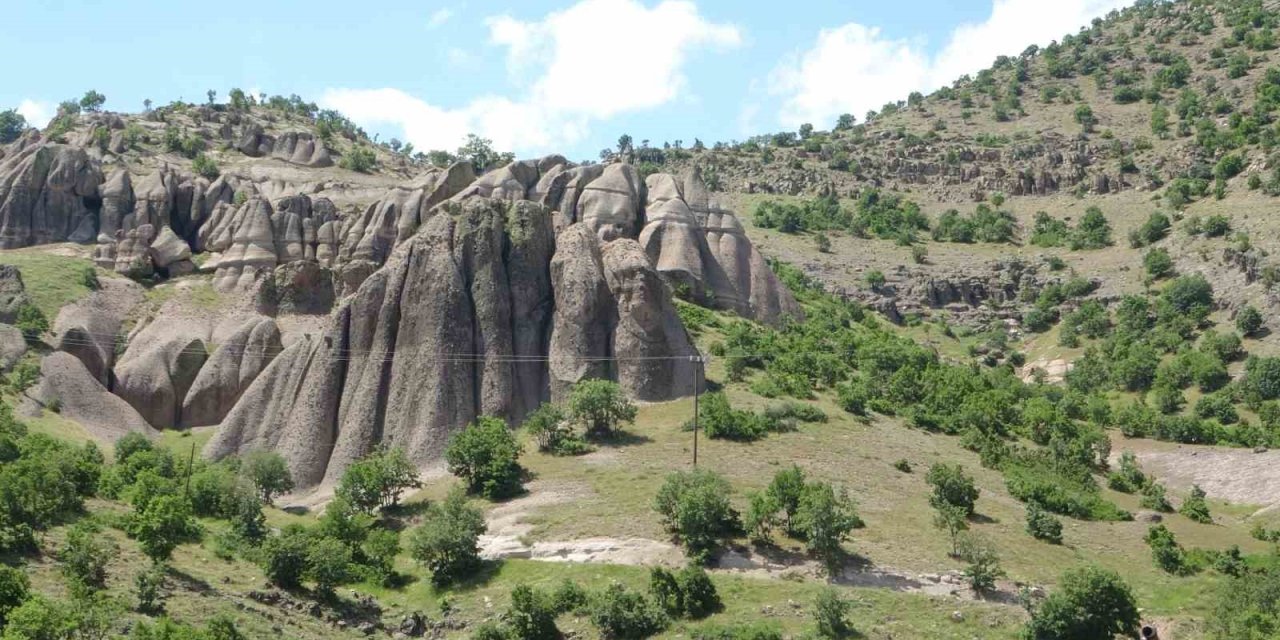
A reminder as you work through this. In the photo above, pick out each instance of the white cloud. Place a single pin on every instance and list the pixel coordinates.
(38, 114)
(439, 17)
(854, 68)
(567, 71)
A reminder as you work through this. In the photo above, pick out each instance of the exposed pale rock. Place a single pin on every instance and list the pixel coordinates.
(12, 346)
(234, 365)
(84, 400)
(154, 378)
(168, 248)
(87, 328)
(44, 190)
(612, 200)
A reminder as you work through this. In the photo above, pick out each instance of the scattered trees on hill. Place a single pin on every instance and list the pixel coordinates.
(269, 473)
(12, 124)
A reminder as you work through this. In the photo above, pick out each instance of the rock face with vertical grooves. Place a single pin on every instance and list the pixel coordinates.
(45, 195)
(230, 370)
(464, 320)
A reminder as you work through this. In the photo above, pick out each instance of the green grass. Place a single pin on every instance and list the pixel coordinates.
(52, 281)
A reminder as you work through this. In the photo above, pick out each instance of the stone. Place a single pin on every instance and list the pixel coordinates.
(168, 248)
(232, 367)
(44, 191)
(156, 376)
(13, 293)
(87, 328)
(302, 287)
(84, 400)
(12, 347)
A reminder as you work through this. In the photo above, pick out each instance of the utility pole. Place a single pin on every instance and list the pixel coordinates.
(697, 369)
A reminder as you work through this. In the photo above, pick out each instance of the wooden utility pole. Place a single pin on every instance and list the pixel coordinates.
(697, 370)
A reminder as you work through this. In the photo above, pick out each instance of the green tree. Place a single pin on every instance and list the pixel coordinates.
(983, 569)
(951, 486)
(284, 557)
(161, 524)
(328, 564)
(1042, 525)
(622, 614)
(148, 585)
(12, 124)
(1248, 320)
(1195, 507)
(238, 100)
(954, 520)
(1158, 263)
(601, 407)
(32, 322)
(1084, 117)
(446, 541)
(84, 558)
(481, 154)
(831, 613)
(378, 479)
(695, 506)
(785, 490)
(550, 428)
(92, 101)
(359, 158)
(40, 618)
(269, 473)
(14, 590)
(532, 615)
(485, 455)
(826, 518)
(1089, 603)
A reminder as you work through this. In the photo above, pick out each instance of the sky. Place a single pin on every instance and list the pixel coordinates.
(536, 76)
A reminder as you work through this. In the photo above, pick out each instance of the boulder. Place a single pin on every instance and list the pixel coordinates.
(612, 200)
(234, 365)
(13, 293)
(132, 254)
(168, 248)
(84, 400)
(12, 346)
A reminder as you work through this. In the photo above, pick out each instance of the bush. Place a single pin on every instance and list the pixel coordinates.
(359, 158)
(902, 465)
(1090, 602)
(205, 166)
(1092, 232)
(485, 455)
(1153, 497)
(550, 428)
(1153, 230)
(161, 524)
(328, 564)
(32, 322)
(269, 473)
(1218, 407)
(983, 568)
(621, 614)
(446, 541)
(825, 518)
(831, 613)
(148, 584)
(951, 486)
(698, 592)
(378, 479)
(1129, 477)
(284, 557)
(1158, 263)
(1248, 320)
(1166, 551)
(84, 558)
(12, 124)
(1248, 605)
(532, 615)
(600, 406)
(874, 279)
(1194, 507)
(14, 590)
(1043, 526)
(694, 505)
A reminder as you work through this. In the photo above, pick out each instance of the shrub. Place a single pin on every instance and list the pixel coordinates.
(698, 592)
(14, 589)
(951, 486)
(621, 614)
(1158, 263)
(1090, 602)
(1247, 605)
(485, 455)
(148, 584)
(284, 557)
(874, 279)
(89, 279)
(902, 465)
(1151, 231)
(446, 541)
(1092, 232)
(328, 564)
(600, 406)
(1218, 407)
(268, 472)
(831, 613)
(32, 322)
(550, 428)
(205, 166)
(1129, 477)
(1194, 507)
(84, 558)
(12, 124)
(694, 505)
(378, 479)
(161, 524)
(532, 615)
(983, 568)
(1248, 320)
(1166, 551)
(825, 518)
(1153, 497)
(1043, 526)
(359, 158)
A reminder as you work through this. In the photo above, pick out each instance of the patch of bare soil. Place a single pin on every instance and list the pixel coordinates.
(1235, 475)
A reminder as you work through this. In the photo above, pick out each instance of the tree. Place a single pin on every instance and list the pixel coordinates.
(695, 506)
(1084, 117)
(1043, 526)
(550, 428)
(14, 589)
(1195, 507)
(601, 406)
(831, 613)
(284, 557)
(485, 454)
(212, 95)
(622, 614)
(806, 130)
(40, 618)
(1248, 320)
(378, 479)
(984, 563)
(161, 524)
(360, 159)
(268, 472)
(92, 101)
(238, 100)
(481, 154)
(875, 279)
(446, 541)
(826, 518)
(531, 616)
(786, 490)
(951, 486)
(761, 517)
(149, 587)
(952, 519)
(328, 564)
(845, 121)
(84, 558)
(1089, 603)
(12, 124)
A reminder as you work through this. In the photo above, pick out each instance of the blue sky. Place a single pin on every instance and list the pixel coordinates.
(535, 76)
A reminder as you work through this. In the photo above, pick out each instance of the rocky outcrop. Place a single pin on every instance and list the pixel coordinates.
(87, 328)
(462, 321)
(300, 148)
(48, 193)
(83, 399)
(251, 239)
(12, 346)
(297, 287)
(155, 375)
(229, 371)
(13, 293)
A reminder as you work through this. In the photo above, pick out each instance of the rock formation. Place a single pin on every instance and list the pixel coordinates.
(87, 329)
(229, 371)
(48, 193)
(83, 399)
(13, 293)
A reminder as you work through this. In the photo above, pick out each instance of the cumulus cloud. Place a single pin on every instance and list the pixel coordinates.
(439, 17)
(38, 114)
(854, 68)
(566, 72)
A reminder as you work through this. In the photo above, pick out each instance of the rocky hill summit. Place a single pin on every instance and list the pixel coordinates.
(450, 292)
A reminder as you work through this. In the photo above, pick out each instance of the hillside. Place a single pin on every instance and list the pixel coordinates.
(950, 361)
